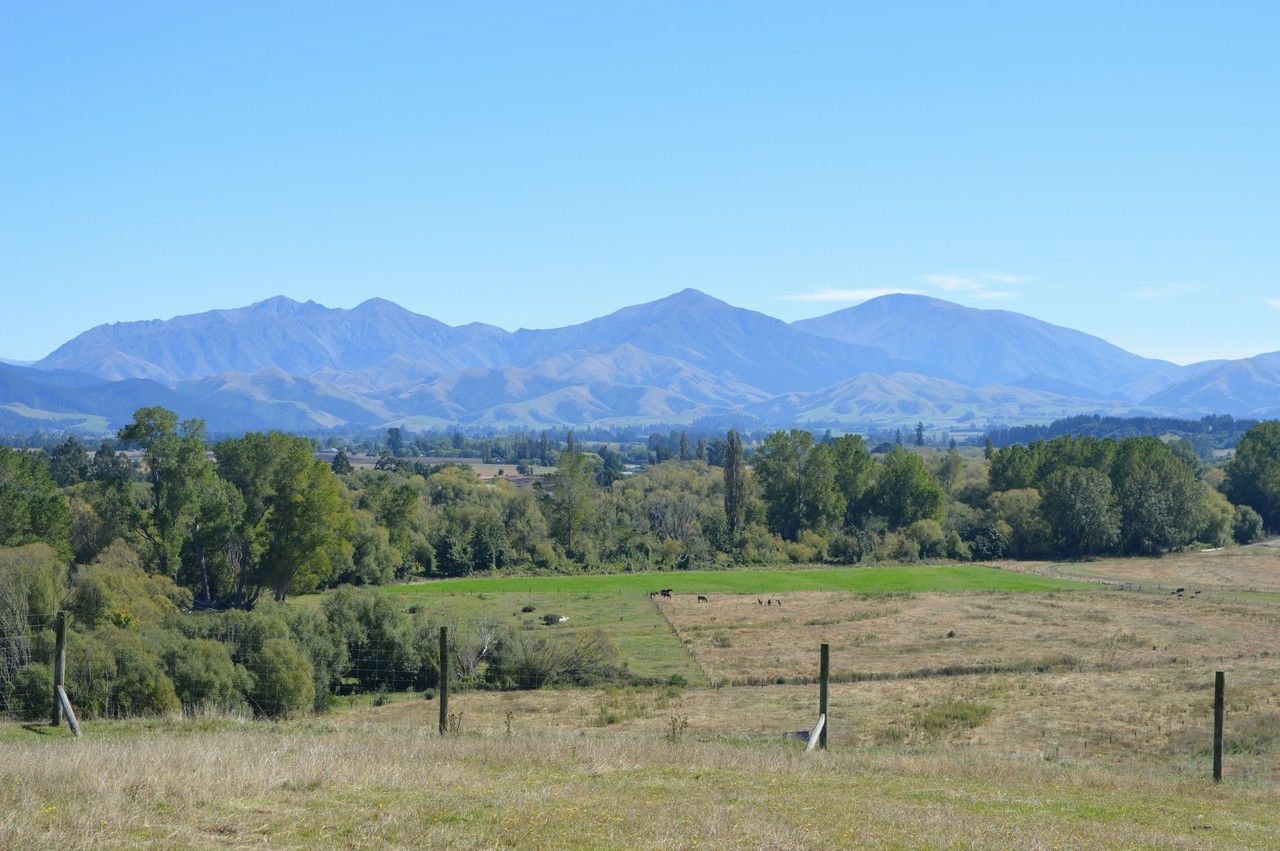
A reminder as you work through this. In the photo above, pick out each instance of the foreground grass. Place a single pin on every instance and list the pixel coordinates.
(386, 785)
(866, 580)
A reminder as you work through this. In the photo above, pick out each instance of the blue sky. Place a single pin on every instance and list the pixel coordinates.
(1112, 166)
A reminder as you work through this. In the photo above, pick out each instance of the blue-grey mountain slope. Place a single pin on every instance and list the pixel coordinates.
(1247, 388)
(307, 367)
(977, 347)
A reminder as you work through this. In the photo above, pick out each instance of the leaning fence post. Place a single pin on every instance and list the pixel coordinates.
(444, 680)
(59, 664)
(1219, 689)
(824, 677)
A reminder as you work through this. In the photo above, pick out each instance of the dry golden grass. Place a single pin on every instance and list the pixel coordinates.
(395, 785)
(736, 640)
(1237, 569)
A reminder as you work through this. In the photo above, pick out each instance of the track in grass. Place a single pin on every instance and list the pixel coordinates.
(866, 580)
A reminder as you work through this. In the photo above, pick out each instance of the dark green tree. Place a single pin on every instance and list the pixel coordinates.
(735, 484)
(1081, 510)
(341, 463)
(32, 509)
(905, 492)
(1253, 476)
(68, 462)
(176, 468)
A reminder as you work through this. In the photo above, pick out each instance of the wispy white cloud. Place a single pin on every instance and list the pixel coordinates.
(845, 295)
(1165, 291)
(978, 286)
(1273, 302)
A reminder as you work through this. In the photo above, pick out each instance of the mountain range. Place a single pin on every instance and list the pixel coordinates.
(684, 358)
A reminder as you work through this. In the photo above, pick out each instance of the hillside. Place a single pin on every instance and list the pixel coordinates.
(977, 347)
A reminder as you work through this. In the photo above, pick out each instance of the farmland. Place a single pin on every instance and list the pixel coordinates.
(970, 705)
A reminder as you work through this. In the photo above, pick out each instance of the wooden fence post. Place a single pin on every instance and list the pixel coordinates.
(824, 677)
(1219, 689)
(59, 664)
(444, 680)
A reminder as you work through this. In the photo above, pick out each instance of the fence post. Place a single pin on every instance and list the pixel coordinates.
(824, 677)
(444, 680)
(1219, 689)
(59, 664)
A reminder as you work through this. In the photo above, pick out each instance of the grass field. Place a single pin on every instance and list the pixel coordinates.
(386, 785)
(1239, 571)
(973, 707)
(864, 580)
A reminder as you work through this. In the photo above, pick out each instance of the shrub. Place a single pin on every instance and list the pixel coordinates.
(529, 661)
(379, 639)
(32, 692)
(1247, 525)
(117, 672)
(527, 608)
(282, 679)
(203, 675)
(116, 589)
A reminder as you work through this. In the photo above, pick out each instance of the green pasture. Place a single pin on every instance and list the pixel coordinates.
(898, 579)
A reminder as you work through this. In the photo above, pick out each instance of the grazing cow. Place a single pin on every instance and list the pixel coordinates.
(702, 599)
(1179, 591)
(758, 600)
(770, 603)
(665, 592)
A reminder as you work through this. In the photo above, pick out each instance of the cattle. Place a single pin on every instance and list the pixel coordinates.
(702, 599)
(758, 600)
(665, 592)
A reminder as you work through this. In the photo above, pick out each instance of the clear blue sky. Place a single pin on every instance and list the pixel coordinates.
(1113, 167)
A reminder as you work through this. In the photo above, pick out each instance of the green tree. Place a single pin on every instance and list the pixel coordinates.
(341, 463)
(1161, 503)
(798, 481)
(854, 472)
(176, 468)
(905, 492)
(1024, 531)
(297, 526)
(68, 462)
(735, 484)
(1253, 476)
(568, 493)
(395, 441)
(1081, 510)
(949, 469)
(32, 509)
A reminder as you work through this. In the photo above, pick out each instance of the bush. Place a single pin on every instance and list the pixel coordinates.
(204, 677)
(116, 672)
(32, 692)
(282, 679)
(378, 637)
(116, 589)
(851, 548)
(1246, 526)
(529, 661)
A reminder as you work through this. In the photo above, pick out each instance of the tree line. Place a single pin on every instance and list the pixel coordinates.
(237, 526)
